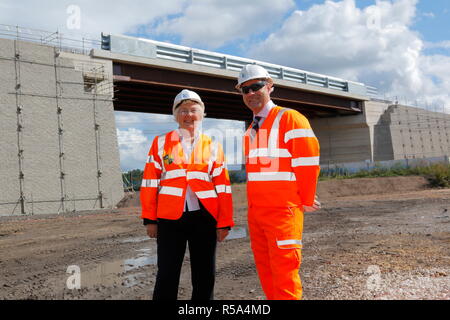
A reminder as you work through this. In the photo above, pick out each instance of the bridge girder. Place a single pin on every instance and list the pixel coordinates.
(147, 89)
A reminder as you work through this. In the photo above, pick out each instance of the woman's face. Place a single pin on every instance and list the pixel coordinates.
(189, 115)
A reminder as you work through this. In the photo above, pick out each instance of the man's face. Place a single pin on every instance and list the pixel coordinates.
(256, 100)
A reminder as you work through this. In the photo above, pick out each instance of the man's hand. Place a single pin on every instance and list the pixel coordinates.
(316, 206)
(222, 234)
(152, 230)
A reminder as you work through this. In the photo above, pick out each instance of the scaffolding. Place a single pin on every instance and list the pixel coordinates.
(62, 41)
(96, 82)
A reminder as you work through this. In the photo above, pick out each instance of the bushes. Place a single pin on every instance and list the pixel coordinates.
(438, 175)
(132, 179)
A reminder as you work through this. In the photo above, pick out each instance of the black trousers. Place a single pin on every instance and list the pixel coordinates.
(198, 230)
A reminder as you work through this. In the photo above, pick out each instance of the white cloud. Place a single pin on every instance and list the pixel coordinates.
(439, 45)
(437, 89)
(214, 23)
(142, 120)
(133, 147)
(95, 16)
(374, 45)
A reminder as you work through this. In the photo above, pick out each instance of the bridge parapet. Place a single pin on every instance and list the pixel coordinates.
(161, 50)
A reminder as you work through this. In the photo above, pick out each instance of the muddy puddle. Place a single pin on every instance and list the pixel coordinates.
(126, 272)
(135, 240)
(118, 272)
(237, 233)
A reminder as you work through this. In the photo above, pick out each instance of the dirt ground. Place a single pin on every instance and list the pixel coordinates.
(384, 238)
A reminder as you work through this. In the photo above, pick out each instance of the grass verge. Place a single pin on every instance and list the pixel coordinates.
(438, 175)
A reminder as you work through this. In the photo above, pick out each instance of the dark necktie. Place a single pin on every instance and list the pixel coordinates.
(255, 127)
(256, 123)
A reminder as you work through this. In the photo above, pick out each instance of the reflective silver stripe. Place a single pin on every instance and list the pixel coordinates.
(286, 242)
(298, 133)
(150, 183)
(274, 132)
(271, 176)
(206, 194)
(214, 150)
(272, 149)
(150, 159)
(171, 191)
(173, 174)
(161, 142)
(198, 175)
(218, 171)
(223, 189)
(264, 152)
(305, 161)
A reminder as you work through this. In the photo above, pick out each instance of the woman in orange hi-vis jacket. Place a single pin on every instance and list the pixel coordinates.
(186, 199)
(282, 163)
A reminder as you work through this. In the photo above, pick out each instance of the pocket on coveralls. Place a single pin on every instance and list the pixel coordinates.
(291, 248)
(290, 231)
(290, 238)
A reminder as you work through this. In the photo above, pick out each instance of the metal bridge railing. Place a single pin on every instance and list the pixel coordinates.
(372, 91)
(155, 49)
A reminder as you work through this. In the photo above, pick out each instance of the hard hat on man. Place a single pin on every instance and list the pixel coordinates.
(250, 72)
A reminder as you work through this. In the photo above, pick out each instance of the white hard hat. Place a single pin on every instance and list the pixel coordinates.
(250, 72)
(187, 95)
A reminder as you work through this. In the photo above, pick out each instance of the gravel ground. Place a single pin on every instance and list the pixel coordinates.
(388, 245)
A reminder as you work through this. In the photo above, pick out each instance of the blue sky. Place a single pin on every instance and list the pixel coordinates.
(402, 47)
(433, 24)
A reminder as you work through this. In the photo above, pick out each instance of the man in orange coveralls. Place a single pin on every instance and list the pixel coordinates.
(282, 164)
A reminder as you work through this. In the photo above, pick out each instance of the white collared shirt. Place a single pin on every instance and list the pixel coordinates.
(191, 199)
(264, 113)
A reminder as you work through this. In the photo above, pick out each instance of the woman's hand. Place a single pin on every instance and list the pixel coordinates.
(222, 234)
(152, 230)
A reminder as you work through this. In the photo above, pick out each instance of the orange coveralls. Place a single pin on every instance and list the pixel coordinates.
(282, 163)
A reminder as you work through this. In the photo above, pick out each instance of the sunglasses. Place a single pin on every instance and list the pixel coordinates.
(254, 87)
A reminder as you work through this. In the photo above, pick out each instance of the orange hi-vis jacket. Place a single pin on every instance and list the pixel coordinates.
(168, 173)
(282, 161)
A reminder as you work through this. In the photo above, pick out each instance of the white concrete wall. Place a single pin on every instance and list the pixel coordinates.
(9, 168)
(383, 132)
(43, 89)
(418, 133)
(343, 139)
